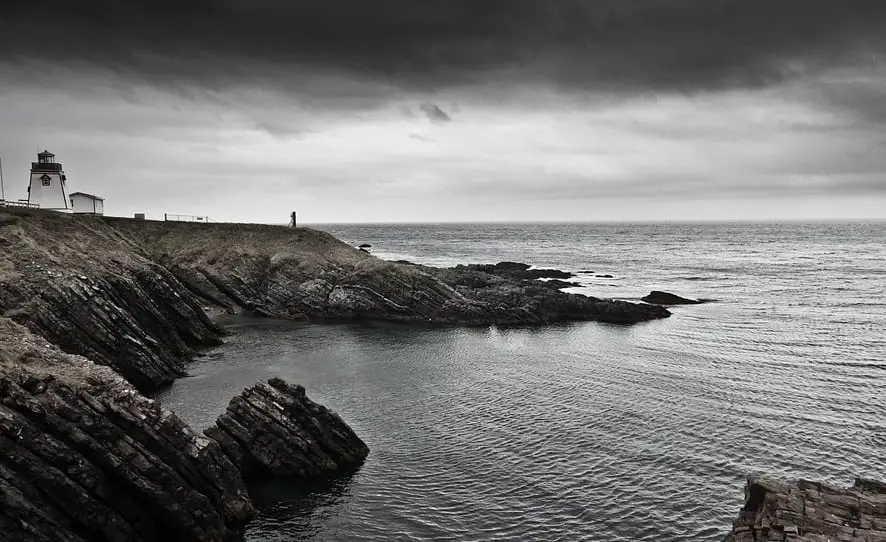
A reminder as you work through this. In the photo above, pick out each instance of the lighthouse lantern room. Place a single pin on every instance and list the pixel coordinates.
(48, 184)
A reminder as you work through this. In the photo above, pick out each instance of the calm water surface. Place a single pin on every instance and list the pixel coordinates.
(586, 431)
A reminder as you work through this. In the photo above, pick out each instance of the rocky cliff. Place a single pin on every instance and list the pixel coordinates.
(307, 274)
(85, 458)
(132, 294)
(79, 284)
(803, 511)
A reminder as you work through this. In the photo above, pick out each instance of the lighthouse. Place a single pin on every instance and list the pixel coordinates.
(47, 188)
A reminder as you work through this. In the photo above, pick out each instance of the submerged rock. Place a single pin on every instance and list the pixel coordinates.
(273, 429)
(664, 298)
(802, 511)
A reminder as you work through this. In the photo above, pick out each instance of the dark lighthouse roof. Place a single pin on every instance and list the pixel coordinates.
(45, 162)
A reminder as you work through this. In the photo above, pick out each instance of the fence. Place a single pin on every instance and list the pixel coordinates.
(169, 217)
(23, 204)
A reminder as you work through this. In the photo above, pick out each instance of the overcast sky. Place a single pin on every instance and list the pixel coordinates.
(452, 110)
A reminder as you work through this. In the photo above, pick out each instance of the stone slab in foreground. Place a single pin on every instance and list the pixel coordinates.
(802, 511)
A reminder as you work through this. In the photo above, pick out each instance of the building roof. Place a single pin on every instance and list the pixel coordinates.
(90, 196)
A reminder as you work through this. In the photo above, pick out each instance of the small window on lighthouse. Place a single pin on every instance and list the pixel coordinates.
(46, 179)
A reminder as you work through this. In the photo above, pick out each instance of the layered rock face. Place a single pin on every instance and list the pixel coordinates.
(777, 511)
(76, 282)
(273, 429)
(84, 457)
(306, 274)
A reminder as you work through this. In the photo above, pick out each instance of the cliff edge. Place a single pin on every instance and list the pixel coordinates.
(133, 294)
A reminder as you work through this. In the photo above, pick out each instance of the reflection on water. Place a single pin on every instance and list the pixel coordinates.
(298, 511)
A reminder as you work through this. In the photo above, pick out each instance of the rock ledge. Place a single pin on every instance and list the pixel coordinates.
(803, 511)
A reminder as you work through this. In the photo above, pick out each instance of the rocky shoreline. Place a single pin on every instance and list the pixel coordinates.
(85, 457)
(134, 295)
(96, 311)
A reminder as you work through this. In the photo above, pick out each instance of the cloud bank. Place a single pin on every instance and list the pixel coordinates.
(453, 109)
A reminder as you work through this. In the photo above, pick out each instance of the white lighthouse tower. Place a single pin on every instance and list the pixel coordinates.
(47, 188)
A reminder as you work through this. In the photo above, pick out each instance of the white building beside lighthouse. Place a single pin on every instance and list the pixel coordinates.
(48, 184)
(87, 204)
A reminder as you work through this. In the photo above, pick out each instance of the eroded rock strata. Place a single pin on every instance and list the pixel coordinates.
(803, 511)
(85, 457)
(306, 274)
(273, 429)
(133, 294)
(76, 282)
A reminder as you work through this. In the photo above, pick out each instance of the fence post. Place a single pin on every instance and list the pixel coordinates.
(165, 219)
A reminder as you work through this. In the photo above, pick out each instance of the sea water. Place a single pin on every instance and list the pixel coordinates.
(585, 431)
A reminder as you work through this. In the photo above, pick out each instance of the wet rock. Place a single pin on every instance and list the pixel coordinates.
(84, 457)
(274, 429)
(805, 511)
(664, 298)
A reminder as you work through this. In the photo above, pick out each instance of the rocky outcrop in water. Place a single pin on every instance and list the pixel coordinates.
(274, 429)
(310, 275)
(516, 270)
(85, 457)
(803, 511)
(134, 294)
(665, 298)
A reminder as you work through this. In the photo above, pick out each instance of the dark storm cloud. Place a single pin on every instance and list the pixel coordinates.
(637, 45)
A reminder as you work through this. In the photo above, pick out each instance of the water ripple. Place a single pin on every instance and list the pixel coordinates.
(587, 432)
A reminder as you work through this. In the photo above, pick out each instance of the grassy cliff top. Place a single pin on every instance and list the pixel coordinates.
(208, 241)
(79, 243)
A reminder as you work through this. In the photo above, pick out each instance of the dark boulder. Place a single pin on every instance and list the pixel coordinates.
(273, 429)
(664, 298)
